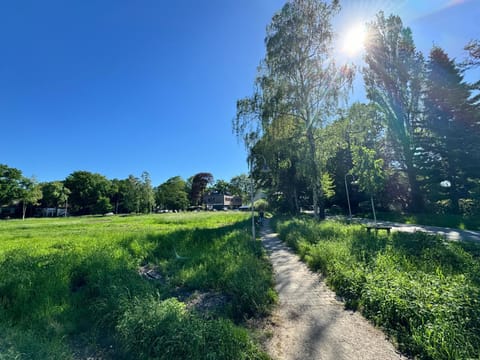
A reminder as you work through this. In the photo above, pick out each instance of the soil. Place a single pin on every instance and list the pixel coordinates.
(309, 322)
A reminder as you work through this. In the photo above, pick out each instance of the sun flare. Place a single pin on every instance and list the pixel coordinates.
(353, 40)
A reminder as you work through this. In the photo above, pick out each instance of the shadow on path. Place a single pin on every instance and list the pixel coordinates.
(310, 323)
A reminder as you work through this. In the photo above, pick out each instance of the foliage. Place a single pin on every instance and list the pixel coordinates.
(70, 284)
(451, 134)
(54, 194)
(9, 180)
(240, 186)
(473, 50)
(29, 193)
(199, 185)
(393, 79)
(86, 190)
(298, 82)
(422, 290)
(172, 194)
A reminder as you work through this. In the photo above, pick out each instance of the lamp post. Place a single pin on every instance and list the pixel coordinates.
(348, 197)
(252, 198)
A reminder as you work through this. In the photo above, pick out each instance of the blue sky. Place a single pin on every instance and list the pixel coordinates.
(118, 87)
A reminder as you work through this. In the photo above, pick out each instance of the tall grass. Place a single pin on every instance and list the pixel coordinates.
(72, 284)
(422, 290)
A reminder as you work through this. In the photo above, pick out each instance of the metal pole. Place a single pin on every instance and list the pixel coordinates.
(253, 210)
(348, 200)
(252, 195)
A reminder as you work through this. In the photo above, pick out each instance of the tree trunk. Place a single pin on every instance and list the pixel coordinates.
(318, 206)
(416, 200)
(295, 199)
(24, 210)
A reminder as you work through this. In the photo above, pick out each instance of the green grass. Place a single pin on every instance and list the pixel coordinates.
(443, 220)
(71, 286)
(424, 291)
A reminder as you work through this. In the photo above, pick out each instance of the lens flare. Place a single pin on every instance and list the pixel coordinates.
(353, 40)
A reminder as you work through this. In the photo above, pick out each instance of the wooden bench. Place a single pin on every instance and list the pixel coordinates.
(378, 227)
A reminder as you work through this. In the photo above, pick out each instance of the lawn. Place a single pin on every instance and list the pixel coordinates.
(147, 287)
(422, 290)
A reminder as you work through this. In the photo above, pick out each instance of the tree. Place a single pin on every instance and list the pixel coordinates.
(172, 194)
(199, 184)
(473, 59)
(147, 194)
(451, 133)
(55, 194)
(9, 184)
(240, 186)
(86, 191)
(132, 194)
(368, 169)
(30, 193)
(394, 77)
(298, 79)
(221, 186)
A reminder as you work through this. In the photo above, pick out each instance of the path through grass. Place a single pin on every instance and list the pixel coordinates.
(421, 289)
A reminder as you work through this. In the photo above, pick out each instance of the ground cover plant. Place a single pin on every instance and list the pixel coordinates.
(124, 287)
(423, 290)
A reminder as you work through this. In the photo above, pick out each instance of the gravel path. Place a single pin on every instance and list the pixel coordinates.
(309, 322)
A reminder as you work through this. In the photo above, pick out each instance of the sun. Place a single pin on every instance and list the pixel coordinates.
(353, 40)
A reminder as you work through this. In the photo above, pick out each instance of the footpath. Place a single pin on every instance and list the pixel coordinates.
(310, 322)
(449, 233)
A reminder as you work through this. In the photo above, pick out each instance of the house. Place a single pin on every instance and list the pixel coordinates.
(220, 201)
(49, 212)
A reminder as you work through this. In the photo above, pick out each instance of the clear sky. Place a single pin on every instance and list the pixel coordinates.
(118, 87)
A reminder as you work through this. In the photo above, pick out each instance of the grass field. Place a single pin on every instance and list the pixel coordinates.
(424, 291)
(70, 288)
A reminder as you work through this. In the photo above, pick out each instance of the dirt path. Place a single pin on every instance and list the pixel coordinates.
(309, 322)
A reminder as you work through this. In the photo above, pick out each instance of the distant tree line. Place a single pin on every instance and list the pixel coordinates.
(86, 193)
(414, 146)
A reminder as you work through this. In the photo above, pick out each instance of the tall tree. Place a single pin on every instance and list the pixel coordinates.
(451, 132)
(200, 182)
(147, 193)
(9, 184)
(172, 194)
(221, 186)
(240, 186)
(87, 189)
(55, 194)
(30, 193)
(299, 79)
(394, 77)
(132, 194)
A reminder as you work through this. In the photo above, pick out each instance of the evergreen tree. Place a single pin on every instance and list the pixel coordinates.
(394, 80)
(450, 133)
